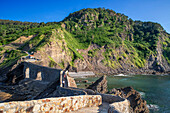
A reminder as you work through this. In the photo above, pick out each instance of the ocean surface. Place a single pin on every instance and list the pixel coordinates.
(155, 89)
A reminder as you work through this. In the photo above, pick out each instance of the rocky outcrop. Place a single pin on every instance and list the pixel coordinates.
(56, 54)
(118, 102)
(25, 90)
(100, 85)
(138, 105)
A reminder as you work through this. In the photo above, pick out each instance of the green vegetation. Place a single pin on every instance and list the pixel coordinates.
(166, 48)
(121, 38)
(93, 53)
(11, 57)
(106, 28)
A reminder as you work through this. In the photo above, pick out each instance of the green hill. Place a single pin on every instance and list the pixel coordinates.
(97, 39)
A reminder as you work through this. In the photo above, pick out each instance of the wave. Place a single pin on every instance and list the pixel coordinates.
(153, 107)
(142, 94)
(165, 75)
(121, 75)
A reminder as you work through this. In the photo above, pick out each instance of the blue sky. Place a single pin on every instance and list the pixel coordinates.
(57, 10)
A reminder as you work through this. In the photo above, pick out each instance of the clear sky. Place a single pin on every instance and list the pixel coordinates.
(57, 10)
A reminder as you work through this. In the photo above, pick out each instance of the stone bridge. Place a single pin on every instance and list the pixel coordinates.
(40, 72)
(33, 71)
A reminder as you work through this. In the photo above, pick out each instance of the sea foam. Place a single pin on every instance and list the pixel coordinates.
(142, 94)
(153, 107)
(120, 75)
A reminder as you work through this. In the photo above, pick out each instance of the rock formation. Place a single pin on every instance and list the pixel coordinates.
(100, 85)
(138, 105)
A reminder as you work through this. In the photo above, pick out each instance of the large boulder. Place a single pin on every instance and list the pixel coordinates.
(138, 105)
(100, 86)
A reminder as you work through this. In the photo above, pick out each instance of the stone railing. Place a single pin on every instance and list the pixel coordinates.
(116, 103)
(62, 104)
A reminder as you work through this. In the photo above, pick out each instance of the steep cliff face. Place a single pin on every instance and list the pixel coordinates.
(55, 53)
(99, 40)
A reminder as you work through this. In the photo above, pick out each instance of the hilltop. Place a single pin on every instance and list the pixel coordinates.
(99, 40)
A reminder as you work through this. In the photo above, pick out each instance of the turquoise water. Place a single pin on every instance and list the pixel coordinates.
(155, 89)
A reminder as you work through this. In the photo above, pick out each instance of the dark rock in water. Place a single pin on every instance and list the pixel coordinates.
(86, 85)
(154, 73)
(138, 105)
(100, 85)
(85, 81)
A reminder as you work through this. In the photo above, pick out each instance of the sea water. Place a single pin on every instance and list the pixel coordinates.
(155, 89)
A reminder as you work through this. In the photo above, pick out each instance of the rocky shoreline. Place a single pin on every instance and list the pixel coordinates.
(137, 104)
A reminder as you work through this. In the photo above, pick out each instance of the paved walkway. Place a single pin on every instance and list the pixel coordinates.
(101, 109)
(81, 74)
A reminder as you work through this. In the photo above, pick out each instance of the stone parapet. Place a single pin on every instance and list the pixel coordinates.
(110, 98)
(51, 105)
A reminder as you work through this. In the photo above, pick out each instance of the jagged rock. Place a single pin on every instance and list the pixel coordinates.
(26, 89)
(100, 85)
(138, 105)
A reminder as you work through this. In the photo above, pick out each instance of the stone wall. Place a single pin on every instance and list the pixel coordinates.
(40, 72)
(62, 104)
(33, 71)
(110, 98)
